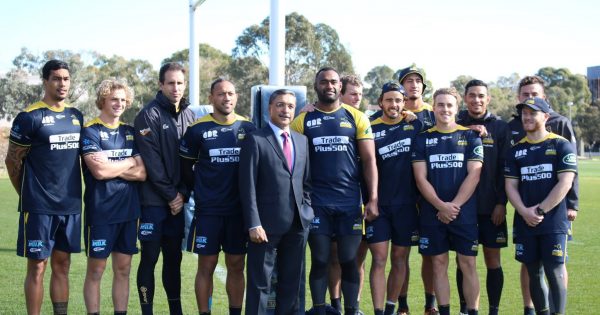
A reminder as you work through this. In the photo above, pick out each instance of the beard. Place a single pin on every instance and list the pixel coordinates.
(324, 98)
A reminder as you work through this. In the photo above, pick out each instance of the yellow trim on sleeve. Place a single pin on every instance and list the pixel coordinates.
(298, 123)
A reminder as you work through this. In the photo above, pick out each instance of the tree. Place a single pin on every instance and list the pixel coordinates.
(376, 78)
(460, 82)
(563, 87)
(308, 48)
(213, 64)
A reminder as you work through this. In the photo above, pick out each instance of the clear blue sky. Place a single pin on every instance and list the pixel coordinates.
(484, 39)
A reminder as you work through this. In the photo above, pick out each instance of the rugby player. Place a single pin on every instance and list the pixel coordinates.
(533, 86)
(111, 171)
(491, 197)
(540, 170)
(210, 157)
(447, 161)
(338, 134)
(398, 215)
(159, 126)
(44, 167)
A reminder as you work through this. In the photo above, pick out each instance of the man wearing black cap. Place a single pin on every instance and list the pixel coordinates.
(491, 197)
(398, 216)
(533, 86)
(540, 170)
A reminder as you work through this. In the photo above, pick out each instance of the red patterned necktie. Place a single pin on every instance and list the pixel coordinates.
(287, 150)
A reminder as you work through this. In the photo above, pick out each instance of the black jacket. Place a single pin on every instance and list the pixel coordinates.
(158, 130)
(490, 190)
(561, 126)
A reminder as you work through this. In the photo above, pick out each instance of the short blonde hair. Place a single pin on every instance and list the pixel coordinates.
(447, 91)
(109, 86)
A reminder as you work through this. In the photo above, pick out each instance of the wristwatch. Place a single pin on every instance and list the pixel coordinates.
(540, 211)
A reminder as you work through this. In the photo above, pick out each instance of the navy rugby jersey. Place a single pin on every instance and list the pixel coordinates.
(51, 174)
(536, 165)
(216, 149)
(393, 149)
(333, 147)
(446, 154)
(113, 200)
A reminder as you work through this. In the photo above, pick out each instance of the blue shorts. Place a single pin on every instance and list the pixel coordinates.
(439, 239)
(101, 240)
(337, 221)
(544, 247)
(491, 235)
(211, 233)
(156, 222)
(398, 223)
(40, 234)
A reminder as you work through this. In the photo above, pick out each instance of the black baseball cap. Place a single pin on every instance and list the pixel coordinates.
(392, 86)
(410, 70)
(535, 103)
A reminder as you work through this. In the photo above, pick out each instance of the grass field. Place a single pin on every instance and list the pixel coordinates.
(584, 287)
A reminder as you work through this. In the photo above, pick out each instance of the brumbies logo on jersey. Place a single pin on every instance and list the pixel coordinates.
(241, 134)
(75, 121)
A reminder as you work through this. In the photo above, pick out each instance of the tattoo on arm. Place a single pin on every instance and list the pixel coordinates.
(14, 164)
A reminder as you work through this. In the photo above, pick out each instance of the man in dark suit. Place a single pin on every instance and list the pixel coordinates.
(274, 188)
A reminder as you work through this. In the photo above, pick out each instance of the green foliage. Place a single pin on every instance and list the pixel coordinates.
(376, 78)
(308, 48)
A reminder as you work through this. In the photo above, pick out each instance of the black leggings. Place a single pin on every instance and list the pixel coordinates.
(556, 284)
(347, 246)
(171, 271)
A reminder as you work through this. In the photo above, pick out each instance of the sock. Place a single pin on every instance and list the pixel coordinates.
(543, 312)
(429, 301)
(337, 304)
(378, 311)
(60, 308)
(403, 303)
(319, 309)
(205, 313)
(349, 310)
(473, 312)
(120, 313)
(493, 310)
(94, 313)
(528, 311)
(444, 309)
(389, 308)
(494, 284)
(235, 310)
(175, 307)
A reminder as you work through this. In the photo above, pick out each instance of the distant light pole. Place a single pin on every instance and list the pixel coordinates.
(570, 104)
(194, 58)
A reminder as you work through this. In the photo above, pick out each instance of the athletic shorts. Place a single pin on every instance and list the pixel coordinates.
(491, 235)
(544, 247)
(156, 222)
(211, 233)
(40, 234)
(439, 239)
(397, 223)
(101, 240)
(337, 221)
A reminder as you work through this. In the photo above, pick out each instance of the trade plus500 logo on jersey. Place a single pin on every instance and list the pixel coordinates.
(447, 160)
(332, 143)
(64, 141)
(395, 148)
(224, 155)
(536, 172)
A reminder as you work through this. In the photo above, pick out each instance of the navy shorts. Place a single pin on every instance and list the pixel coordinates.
(439, 239)
(211, 233)
(397, 223)
(491, 235)
(101, 240)
(156, 222)
(544, 247)
(40, 234)
(337, 221)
